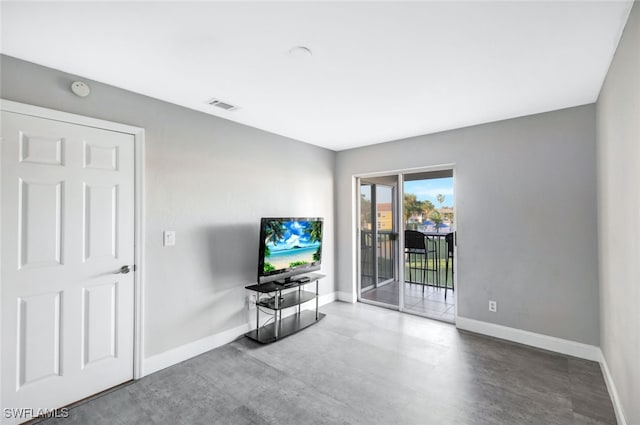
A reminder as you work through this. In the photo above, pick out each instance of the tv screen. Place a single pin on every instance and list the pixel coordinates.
(289, 246)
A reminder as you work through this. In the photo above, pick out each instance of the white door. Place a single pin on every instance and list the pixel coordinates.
(67, 200)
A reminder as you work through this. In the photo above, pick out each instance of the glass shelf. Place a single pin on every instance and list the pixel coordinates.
(287, 326)
(290, 299)
(273, 287)
(290, 295)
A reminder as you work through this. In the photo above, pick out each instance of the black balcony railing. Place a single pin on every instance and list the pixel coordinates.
(385, 254)
(413, 273)
(418, 270)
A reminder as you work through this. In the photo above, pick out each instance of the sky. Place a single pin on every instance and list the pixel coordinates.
(429, 189)
(423, 189)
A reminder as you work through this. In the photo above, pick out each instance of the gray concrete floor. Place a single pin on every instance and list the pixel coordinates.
(363, 365)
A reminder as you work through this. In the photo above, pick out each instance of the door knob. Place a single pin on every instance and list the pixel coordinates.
(123, 270)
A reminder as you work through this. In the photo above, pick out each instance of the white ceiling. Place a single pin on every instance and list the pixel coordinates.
(380, 71)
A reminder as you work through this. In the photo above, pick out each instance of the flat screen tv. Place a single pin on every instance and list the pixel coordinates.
(289, 246)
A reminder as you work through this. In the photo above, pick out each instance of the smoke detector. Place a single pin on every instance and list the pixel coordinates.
(80, 88)
(222, 105)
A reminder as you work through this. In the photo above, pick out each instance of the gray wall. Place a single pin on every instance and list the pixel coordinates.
(618, 122)
(210, 180)
(526, 217)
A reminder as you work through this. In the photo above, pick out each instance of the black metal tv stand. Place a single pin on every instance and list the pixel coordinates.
(270, 296)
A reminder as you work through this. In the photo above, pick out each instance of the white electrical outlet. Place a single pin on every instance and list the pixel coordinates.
(493, 306)
(169, 238)
(252, 301)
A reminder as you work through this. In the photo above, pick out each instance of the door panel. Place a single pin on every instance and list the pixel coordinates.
(67, 229)
(100, 217)
(38, 338)
(101, 157)
(99, 322)
(378, 241)
(385, 225)
(40, 149)
(40, 215)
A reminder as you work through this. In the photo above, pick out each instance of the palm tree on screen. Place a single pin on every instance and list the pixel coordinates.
(315, 232)
(274, 232)
(315, 235)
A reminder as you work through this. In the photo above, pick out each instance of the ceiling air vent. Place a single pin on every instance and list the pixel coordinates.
(222, 105)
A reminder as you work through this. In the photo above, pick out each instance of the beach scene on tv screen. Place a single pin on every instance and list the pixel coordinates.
(291, 244)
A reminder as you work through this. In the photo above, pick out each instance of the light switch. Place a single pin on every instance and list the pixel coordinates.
(169, 238)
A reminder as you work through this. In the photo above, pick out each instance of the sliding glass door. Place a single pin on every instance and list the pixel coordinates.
(417, 210)
(429, 244)
(378, 241)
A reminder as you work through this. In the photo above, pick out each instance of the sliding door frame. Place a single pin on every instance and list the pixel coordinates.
(399, 213)
(396, 224)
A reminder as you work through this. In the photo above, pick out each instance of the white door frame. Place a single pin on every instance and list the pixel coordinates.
(139, 219)
(399, 174)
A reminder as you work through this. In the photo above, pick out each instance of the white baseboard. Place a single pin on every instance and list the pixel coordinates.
(195, 348)
(192, 349)
(558, 345)
(327, 298)
(613, 392)
(346, 297)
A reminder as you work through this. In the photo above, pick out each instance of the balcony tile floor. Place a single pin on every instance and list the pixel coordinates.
(424, 300)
